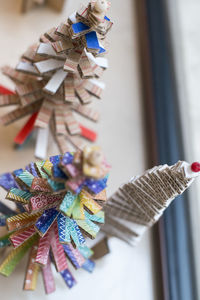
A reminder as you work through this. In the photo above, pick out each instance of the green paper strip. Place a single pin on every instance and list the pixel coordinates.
(78, 211)
(4, 240)
(99, 217)
(19, 196)
(39, 166)
(26, 177)
(11, 261)
(85, 251)
(89, 227)
(68, 203)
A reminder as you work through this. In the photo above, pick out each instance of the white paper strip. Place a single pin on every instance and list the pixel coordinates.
(42, 143)
(100, 61)
(46, 49)
(55, 82)
(72, 17)
(48, 65)
(27, 68)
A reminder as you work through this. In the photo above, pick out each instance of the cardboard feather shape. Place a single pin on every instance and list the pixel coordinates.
(138, 204)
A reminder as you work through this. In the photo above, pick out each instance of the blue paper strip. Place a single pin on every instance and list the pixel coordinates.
(46, 220)
(68, 278)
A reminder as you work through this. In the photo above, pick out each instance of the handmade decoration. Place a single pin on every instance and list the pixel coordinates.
(138, 204)
(59, 76)
(61, 201)
(29, 4)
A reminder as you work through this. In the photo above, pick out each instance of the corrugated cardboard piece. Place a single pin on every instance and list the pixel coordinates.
(59, 76)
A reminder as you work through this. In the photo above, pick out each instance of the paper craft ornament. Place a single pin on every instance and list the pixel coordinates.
(138, 204)
(29, 4)
(61, 201)
(59, 76)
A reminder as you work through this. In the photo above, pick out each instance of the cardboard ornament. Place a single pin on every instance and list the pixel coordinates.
(58, 77)
(139, 204)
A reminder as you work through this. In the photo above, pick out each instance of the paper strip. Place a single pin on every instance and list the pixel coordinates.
(32, 271)
(14, 257)
(42, 142)
(48, 278)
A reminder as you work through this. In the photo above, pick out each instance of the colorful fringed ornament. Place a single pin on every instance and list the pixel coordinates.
(61, 200)
(138, 204)
(59, 76)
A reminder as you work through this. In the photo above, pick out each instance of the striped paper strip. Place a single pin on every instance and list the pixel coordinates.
(32, 271)
(14, 257)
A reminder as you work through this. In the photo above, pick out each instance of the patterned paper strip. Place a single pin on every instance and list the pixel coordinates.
(26, 178)
(46, 220)
(43, 249)
(7, 181)
(88, 227)
(98, 217)
(32, 271)
(19, 196)
(58, 252)
(68, 278)
(47, 167)
(11, 261)
(63, 232)
(40, 185)
(89, 202)
(74, 256)
(39, 166)
(21, 220)
(78, 210)
(89, 265)
(20, 236)
(85, 251)
(42, 201)
(67, 204)
(68, 228)
(48, 278)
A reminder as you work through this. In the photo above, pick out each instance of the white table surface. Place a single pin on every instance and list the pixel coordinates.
(126, 273)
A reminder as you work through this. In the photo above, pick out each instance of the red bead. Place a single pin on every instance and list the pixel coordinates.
(195, 167)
